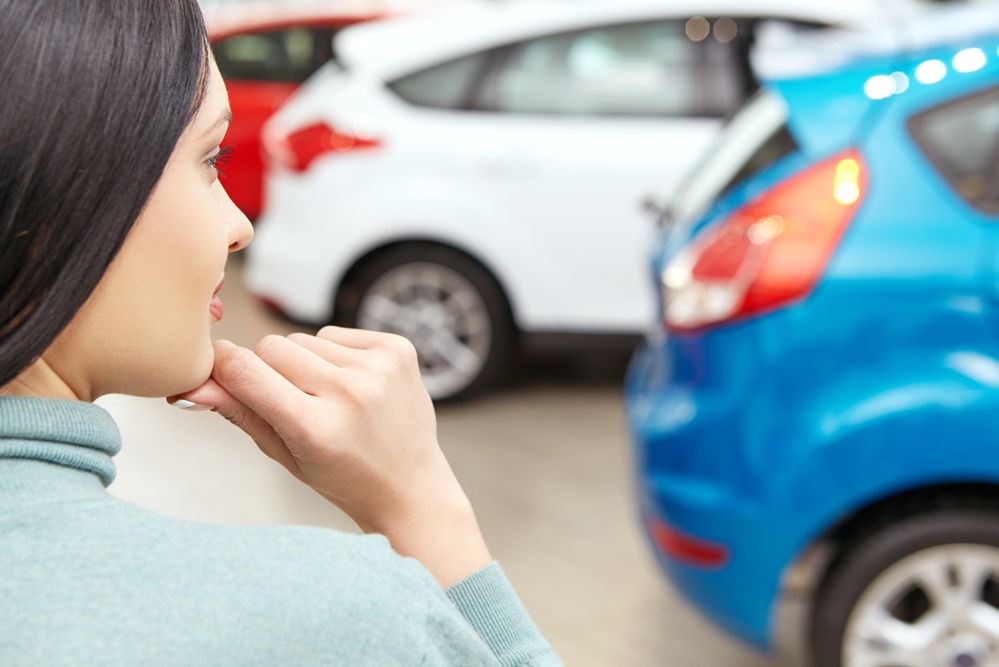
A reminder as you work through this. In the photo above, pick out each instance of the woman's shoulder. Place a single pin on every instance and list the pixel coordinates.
(321, 559)
(290, 593)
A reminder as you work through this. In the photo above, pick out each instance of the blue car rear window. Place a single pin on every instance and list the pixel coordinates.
(961, 139)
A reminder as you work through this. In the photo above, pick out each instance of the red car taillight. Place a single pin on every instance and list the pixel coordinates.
(768, 253)
(298, 150)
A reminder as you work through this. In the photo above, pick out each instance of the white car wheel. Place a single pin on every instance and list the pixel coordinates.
(447, 306)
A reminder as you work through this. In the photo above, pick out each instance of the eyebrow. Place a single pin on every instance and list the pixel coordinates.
(226, 117)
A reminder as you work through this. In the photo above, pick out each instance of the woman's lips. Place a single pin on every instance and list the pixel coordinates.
(216, 306)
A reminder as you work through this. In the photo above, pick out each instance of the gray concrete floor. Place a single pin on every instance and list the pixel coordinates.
(545, 460)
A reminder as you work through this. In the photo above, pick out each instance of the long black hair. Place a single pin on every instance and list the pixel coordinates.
(94, 95)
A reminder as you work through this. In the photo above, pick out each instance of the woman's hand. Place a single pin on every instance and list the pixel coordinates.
(346, 412)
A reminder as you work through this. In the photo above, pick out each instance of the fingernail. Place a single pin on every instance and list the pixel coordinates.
(190, 405)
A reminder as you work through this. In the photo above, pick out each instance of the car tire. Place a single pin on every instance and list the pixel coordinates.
(468, 321)
(873, 572)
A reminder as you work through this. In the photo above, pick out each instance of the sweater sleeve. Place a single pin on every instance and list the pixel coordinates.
(491, 606)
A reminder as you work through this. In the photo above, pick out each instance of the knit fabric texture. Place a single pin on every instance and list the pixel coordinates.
(88, 579)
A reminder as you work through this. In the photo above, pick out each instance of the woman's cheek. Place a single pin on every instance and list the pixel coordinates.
(181, 319)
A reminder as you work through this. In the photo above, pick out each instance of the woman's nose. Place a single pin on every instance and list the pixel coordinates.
(240, 229)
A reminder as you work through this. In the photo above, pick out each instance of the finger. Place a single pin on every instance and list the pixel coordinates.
(208, 395)
(248, 379)
(214, 397)
(339, 355)
(306, 370)
(361, 339)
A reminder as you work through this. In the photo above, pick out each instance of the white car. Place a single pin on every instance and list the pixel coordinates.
(475, 173)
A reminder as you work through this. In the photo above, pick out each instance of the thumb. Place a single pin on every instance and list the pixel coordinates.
(211, 395)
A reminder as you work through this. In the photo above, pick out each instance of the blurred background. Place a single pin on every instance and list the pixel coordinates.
(706, 293)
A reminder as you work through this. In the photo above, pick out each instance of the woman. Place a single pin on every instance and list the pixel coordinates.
(114, 232)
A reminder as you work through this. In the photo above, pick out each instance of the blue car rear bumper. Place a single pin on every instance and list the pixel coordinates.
(691, 493)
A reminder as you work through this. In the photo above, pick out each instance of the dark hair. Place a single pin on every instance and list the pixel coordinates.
(96, 94)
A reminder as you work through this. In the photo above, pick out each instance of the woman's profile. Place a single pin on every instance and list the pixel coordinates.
(114, 234)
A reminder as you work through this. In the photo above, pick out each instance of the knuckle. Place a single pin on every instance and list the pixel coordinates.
(328, 332)
(385, 338)
(309, 431)
(299, 337)
(232, 366)
(363, 389)
(401, 348)
(268, 345)
(235, 417)
(405, 347)
(408, 355)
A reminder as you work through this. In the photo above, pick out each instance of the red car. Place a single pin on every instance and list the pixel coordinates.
(265, 52)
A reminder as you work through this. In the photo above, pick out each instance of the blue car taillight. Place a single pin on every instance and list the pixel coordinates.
(768, 253)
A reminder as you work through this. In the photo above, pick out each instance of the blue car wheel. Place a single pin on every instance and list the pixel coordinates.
(923, 590)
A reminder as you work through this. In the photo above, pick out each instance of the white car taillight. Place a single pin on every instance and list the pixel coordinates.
(298, 150)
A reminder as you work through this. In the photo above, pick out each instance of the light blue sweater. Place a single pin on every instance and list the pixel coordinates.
(87, 579)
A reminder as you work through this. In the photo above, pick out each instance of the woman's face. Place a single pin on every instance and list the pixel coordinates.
(145, 329)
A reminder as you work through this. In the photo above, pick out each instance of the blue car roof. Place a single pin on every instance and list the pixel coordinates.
(837, 78)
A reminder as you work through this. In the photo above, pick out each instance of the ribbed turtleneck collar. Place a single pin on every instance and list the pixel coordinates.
(75, 435)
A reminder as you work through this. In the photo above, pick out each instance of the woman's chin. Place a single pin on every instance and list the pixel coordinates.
(195, 377)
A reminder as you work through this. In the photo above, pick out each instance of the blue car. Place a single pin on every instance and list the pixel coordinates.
(816, 416)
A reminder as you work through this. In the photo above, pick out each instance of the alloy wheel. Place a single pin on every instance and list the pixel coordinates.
(441, 313)
(938, 607)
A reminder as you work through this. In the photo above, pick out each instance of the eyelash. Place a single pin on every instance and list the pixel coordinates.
(220, 158)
